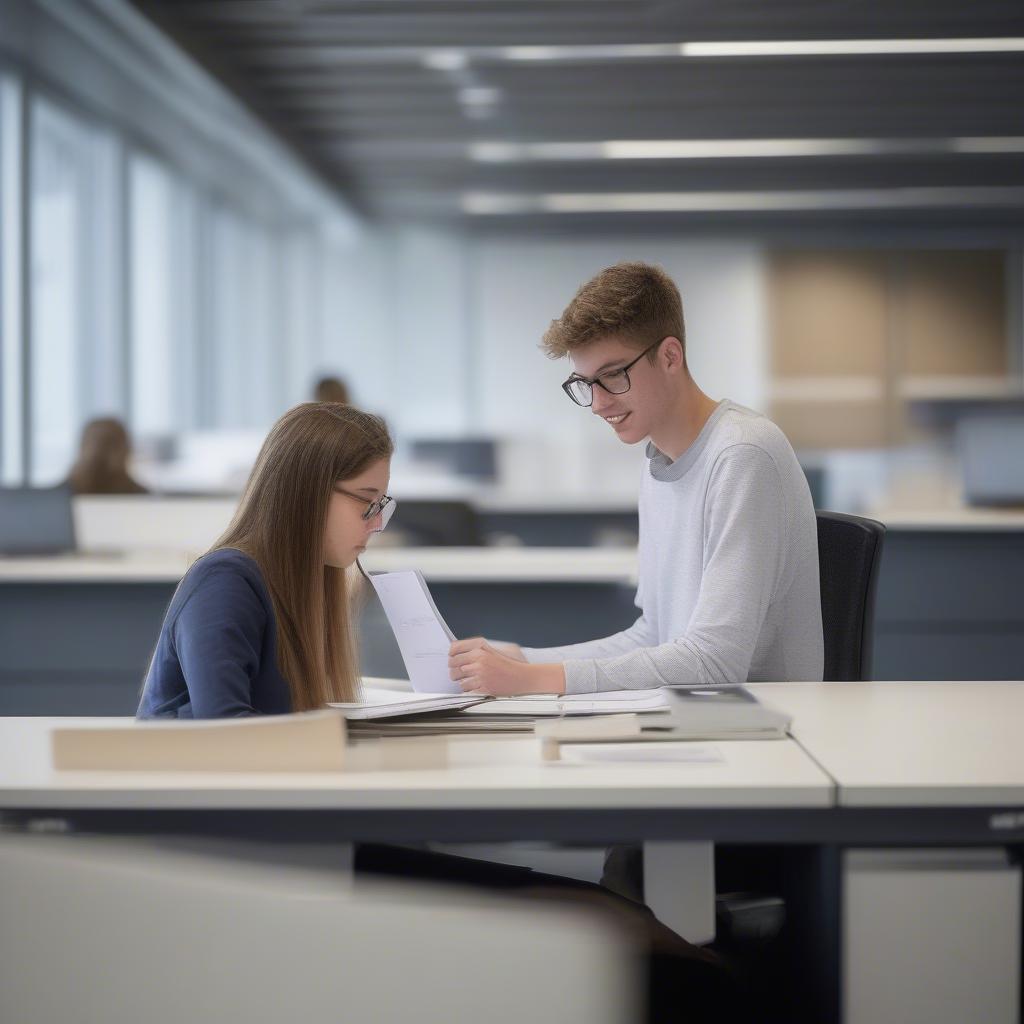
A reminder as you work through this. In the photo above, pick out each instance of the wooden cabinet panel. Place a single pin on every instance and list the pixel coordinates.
(951, 313)
(828, 314)
(856, 334)
(835, 424)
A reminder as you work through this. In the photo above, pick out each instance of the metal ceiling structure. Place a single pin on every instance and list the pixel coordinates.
(461, 110)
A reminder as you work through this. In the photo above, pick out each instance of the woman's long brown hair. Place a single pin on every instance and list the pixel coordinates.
(280, 523)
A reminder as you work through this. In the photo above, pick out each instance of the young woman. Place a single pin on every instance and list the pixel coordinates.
(261, 623)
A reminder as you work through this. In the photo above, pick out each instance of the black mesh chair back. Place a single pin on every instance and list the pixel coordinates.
(849, 554)
(437, 523)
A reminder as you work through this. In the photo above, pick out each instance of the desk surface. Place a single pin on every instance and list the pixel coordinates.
(921, 744)
(489, 774)
(957, 519)
(885, 744)
(443, 565)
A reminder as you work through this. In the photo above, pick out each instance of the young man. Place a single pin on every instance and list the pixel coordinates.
(729, 587)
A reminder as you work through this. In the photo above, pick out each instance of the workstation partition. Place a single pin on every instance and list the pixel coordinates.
(77, 632)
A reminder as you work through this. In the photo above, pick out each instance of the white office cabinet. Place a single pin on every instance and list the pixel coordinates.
(931, 936)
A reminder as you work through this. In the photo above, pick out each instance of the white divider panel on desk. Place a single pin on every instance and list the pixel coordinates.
(141, 522)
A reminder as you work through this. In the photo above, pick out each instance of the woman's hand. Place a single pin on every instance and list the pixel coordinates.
(478, 668)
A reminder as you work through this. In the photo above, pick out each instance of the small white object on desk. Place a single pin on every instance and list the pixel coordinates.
(641, 753)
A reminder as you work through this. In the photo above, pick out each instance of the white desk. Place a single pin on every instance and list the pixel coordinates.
(489, 776)
(927, 934)
(899, 762)
(878, 764)
(912, 744)
(954, 518)
(493, 789)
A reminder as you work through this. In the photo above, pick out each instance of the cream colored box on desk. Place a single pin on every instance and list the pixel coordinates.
(313, 741)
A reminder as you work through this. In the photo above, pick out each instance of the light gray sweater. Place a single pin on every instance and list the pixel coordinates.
(728, 569)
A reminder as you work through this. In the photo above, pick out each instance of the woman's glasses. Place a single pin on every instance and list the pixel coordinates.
(384, 507)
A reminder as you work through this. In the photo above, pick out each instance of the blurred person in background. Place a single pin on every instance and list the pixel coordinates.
(332, 389)
(102, 463)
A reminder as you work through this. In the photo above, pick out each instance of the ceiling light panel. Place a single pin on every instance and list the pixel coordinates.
(731, 149)
(496, 203)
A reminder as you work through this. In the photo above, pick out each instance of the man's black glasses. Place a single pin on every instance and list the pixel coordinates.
(615, 382)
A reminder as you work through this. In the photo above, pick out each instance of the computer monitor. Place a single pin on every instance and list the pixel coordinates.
(992, 459)
(464, 456)
(36, 521)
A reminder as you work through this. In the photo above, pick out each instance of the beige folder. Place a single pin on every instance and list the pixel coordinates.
(311, 741)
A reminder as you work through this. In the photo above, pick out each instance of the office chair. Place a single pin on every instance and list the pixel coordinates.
(438, 523)
(849, 554)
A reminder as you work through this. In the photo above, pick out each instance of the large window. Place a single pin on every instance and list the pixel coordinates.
(11, 333)
(133, 286)
(73, 365)
(164, 288)
(227, 297)
(262, 348)
(301, 329)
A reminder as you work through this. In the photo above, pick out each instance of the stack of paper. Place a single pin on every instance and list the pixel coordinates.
(610, 702)
(723, 713)
(670, 713)
(377, 703)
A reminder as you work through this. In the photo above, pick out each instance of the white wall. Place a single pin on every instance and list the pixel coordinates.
(522, 285)
(358, 325)
(467, 316)
(433, 327)
(443, 331)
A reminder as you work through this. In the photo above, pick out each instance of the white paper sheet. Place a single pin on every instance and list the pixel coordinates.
(378, 703)
(608, 702)
(640, 753)
(423, 636)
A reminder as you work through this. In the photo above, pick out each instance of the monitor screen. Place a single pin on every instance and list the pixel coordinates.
(36, 521)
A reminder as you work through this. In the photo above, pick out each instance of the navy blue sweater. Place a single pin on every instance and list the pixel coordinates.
(217, 652)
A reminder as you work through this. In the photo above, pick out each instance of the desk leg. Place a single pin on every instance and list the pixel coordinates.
(679, 886)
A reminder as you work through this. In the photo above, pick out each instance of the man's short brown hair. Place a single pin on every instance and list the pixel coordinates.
(636, 302)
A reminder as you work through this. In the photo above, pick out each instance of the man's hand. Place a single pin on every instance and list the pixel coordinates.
(508, 648)
(478, 668)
